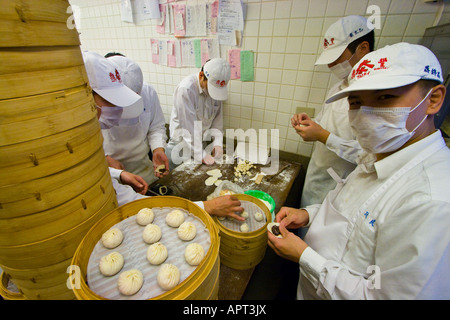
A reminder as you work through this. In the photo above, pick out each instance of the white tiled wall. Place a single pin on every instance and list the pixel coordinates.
(286, 37)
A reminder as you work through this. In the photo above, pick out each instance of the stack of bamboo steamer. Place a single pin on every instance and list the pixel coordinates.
(54, 180)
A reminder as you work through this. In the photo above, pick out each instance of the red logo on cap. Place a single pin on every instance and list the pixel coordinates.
(327, 43)
(221, 83)
(365, 67)
(112, 77)
(118, 76)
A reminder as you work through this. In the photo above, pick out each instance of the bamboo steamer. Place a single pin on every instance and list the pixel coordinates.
(26, 198)
(56, 248)
(201, 284)
(243, 250)
(48, 223)
(34, 117)
(54, 181)
(38, 278)
(5, 293)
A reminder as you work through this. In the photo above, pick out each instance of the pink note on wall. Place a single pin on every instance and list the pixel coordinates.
(234, 59)
(171, 54)
(155, 50)
(179, 17)
(204, 50)
(161, 24)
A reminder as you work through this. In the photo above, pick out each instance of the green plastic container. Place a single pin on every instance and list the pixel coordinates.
(263, 196)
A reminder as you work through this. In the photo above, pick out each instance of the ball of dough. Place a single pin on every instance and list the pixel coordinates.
(130, 282)
(145, 216)
(168, 276)
(175, 218)
(244, 214)
(110, 264)
(259, 216)
(187, 231)
(194, 254)
(157, 253)
(244, 227)
(112, 238)
(152, 233)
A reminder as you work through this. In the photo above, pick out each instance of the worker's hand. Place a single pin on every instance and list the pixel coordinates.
(217, 152)
(292, 218)
(224, 206)
(298, 118)
(310, 130)
(289, 247)
(136, 182)
(208, 160)
(159, 158)
(113, 163)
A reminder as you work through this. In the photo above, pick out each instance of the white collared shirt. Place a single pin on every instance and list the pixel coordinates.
(191, 104)
(131, 141)
(340, 151)
(402, 234)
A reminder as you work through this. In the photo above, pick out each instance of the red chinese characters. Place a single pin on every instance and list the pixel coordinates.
(366, 66)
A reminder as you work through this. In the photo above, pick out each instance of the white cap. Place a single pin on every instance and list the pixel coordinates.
(340, 34)
(218, 73)
(106, 81)
(133, 78)
(391, 67)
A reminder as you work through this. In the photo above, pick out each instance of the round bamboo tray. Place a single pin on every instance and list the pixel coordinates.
(34, 33)
(5, 293)
(44, 58)
(35, 10)
(48, 223)
(203, 281)
(30, 118)
(38, 278)
(38, 195)
(243, 250)
(15, 85)
(57, 248)
(37, 167)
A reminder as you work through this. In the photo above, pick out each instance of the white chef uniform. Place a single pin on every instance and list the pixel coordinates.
(393, 216)
(192, 103)
(339, 153)
(131, 140)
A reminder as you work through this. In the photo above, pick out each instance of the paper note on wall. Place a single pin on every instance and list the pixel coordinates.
(234, 59)
(187, 53)
(214, 14)
(213, 48)
(155, 50)
(204, 50)
(162, 52)
(150, 9)
(230, 21)
(160, 23)
(247, 66)
(198, 53)
(179, 12)
(126, 11)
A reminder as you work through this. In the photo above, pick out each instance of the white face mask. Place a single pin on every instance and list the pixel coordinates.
(343, 69)
(381, 130)
(110, 116)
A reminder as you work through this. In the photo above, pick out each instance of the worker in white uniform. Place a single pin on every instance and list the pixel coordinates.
(345, 42)
(198, 102)
(111, 98)
(140, 129)
(382, 233)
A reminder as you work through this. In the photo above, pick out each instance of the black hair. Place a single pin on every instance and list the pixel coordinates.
(370, 38)
(112, 54)
(203, 71)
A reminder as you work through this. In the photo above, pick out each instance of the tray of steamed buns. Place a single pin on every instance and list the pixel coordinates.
(147, 254)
